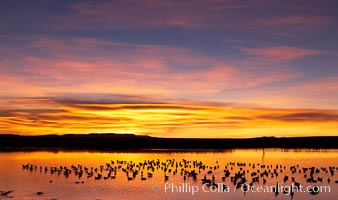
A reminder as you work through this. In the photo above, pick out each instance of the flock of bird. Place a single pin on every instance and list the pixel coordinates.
(237, 174)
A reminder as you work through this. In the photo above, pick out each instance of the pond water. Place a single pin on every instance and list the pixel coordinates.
(232, 174)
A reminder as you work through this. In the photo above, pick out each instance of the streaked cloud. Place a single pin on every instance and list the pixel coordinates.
(187, 14)
(277, 54)
(305, 116)
(296, 22)
(166, 119)
(291, 25)
(101, 66)
(197, 68)
(197, 15)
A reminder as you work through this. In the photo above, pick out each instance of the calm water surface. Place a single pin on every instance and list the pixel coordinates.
(27, 182)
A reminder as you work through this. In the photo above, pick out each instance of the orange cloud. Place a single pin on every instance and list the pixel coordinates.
(99, 66)
(69, 65)
(168, 90)
(165, 119)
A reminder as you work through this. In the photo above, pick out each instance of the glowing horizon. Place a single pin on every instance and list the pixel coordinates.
(168, 120)
(229, 69)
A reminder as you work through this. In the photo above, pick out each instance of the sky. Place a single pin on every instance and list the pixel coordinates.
(193, 68)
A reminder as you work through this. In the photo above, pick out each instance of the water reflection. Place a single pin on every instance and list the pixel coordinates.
(236, 174)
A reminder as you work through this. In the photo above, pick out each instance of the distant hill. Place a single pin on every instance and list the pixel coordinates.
(111, 141)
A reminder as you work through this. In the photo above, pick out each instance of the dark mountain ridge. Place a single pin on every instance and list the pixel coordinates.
(111, 141)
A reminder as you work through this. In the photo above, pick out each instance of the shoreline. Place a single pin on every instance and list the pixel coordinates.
(117, 142)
